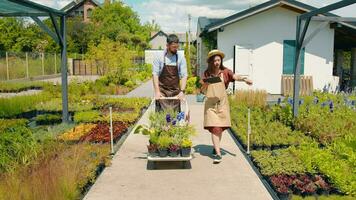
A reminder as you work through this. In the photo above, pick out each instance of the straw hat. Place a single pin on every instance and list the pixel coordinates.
(214, 53)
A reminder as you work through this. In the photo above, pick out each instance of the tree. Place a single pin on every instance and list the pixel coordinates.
(187, 55)
(119, 23)
(115, 56)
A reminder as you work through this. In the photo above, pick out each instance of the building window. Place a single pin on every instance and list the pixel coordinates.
(89, 12)
(79, 13)
(288, 57)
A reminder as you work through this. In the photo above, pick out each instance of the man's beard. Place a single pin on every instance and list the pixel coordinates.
(173, 52)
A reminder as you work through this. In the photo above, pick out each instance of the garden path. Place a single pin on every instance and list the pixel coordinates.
(130, 177)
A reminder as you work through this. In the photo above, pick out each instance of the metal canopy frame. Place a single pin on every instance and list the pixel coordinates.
(303, 22)
(26, 8)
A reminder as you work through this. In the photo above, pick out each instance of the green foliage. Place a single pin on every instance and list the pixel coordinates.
(10, 107)
(326, 126)
(46, 134)
(119, 23)
(279, 162)
(87, 116)
(191, 85)
(8, 123)
(210, 40)
(164, 142)
(17, 146)
(20, 86)
(16, 36)
(186, 143)
(135, 103)
(187, 55)
(340, 170)
(113, 21)
(129, 84)
(116, 56)
(62, 172)
(266, 131)
(48, 119)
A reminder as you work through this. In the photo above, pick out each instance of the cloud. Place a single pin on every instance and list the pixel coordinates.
(173, 15)
(57, 4)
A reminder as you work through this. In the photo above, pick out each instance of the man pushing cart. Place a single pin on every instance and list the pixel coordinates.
(169, 82)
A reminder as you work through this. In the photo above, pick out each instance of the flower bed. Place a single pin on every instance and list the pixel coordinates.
(318, 154)
(77, 132)
(7, 87)
(60, 172)
(267, 133)
(101, 132)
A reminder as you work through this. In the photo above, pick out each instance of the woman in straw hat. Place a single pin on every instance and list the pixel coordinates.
(216, 108)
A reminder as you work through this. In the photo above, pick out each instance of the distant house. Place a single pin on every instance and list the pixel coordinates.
(259, 43)
(81, 8)
(158, 40)
(158, 43)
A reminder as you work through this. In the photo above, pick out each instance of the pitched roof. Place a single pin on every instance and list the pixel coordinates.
(26, 8)
(204, 21)
(76, 3)
(155, 34)
(181, 36)
(296, 5)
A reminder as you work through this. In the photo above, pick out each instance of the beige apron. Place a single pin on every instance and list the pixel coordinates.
(216, 108)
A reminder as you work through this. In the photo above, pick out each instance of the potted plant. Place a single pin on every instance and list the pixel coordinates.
(163, 144)
(173, 150)
(186, 147)
(152, 149)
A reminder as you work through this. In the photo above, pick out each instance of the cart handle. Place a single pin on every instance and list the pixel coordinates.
(187, 110)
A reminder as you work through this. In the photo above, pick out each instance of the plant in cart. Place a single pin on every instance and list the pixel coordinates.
(167, 126)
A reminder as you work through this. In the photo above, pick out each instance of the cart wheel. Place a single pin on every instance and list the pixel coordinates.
(151, 165)
(185, 164)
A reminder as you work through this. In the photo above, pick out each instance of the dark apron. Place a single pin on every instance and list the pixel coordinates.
(169, 87)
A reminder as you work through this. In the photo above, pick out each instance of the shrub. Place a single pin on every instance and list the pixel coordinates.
(129, 84)
(17, 146)
(48, 119)
(87, 116)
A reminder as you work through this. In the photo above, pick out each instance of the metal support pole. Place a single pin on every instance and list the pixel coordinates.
(43, 71)
(248, 129)
(297, 65)
(65, 116)
(111, 132)
(7, 67)
(55, 63)
(27, 74)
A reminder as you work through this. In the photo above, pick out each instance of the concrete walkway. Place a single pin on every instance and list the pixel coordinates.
(129, 177)
(144, 90)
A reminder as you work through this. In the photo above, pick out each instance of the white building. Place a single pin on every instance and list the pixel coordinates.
(158, 43)
(259, 43)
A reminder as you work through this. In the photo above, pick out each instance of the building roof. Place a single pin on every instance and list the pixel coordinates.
(204, 21)
(289, 4)
(25, 8)
(181, 36)
(76, 3)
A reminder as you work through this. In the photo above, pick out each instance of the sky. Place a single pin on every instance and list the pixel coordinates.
(172, 15)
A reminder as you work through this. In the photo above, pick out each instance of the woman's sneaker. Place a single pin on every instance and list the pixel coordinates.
(217, 159)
